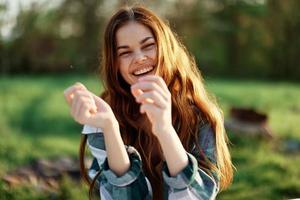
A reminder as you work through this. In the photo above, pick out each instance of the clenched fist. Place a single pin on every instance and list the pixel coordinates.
(87, 108)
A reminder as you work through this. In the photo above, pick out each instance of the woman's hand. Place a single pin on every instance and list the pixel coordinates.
(87, 108)
(155, 99)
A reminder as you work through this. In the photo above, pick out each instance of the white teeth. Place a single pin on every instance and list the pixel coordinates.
(142, 71)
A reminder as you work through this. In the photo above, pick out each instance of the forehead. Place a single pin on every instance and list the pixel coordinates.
(132, 32)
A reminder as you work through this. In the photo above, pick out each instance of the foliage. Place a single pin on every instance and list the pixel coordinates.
(53, 40)
(237, 38)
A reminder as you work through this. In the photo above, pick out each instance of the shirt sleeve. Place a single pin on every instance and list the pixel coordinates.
(193, 182)
(131, 185)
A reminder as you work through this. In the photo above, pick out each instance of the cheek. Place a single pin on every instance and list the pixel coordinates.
(123, 67)
(153, 54)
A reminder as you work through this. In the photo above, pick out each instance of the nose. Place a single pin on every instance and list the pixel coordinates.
(140, 57)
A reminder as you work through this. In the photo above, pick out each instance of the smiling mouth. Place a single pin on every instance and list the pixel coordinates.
(143, 71)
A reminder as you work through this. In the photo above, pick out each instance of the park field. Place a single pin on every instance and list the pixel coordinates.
(35, 123)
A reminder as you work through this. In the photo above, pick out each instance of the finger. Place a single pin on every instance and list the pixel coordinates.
(90, 106)
(78, 110)
(73, 88)
(86, 102)
(152, 97)
(157, 79)
(87, 97)
(95, 99)
(136, 92)
(84, 113)
(99, 102)
(148, 108)
(69, 92)
(77, 97)
(149, 86)
(92, 102)
(75, 105)
(80, 86)
(73, 109)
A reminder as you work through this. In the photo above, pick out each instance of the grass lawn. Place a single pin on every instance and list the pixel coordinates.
(35, 123)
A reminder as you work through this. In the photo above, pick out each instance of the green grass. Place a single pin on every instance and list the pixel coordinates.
(35, 123)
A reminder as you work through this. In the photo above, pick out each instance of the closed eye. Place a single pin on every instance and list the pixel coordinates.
(125, 53)
(149, 46)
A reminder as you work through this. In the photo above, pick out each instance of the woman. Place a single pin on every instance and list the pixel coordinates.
(155, 133)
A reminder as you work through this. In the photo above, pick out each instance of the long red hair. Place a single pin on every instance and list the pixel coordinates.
(179, 70)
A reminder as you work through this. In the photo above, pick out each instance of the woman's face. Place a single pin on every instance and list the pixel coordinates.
(136, 51)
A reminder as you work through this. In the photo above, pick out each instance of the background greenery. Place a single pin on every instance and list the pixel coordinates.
(236, 38)
(253, 45)
(36, 124)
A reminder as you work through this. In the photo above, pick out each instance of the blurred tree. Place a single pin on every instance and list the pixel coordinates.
(240, 25)
(239, 38)
(3, 8)
(87, 15)
(283, 24)
(52, 40)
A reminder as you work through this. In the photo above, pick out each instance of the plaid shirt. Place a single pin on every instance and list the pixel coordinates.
(191, 183)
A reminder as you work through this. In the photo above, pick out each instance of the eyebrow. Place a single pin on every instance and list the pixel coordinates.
(141, 42)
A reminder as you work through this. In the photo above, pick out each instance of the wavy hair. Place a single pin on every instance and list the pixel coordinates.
(183, 78)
